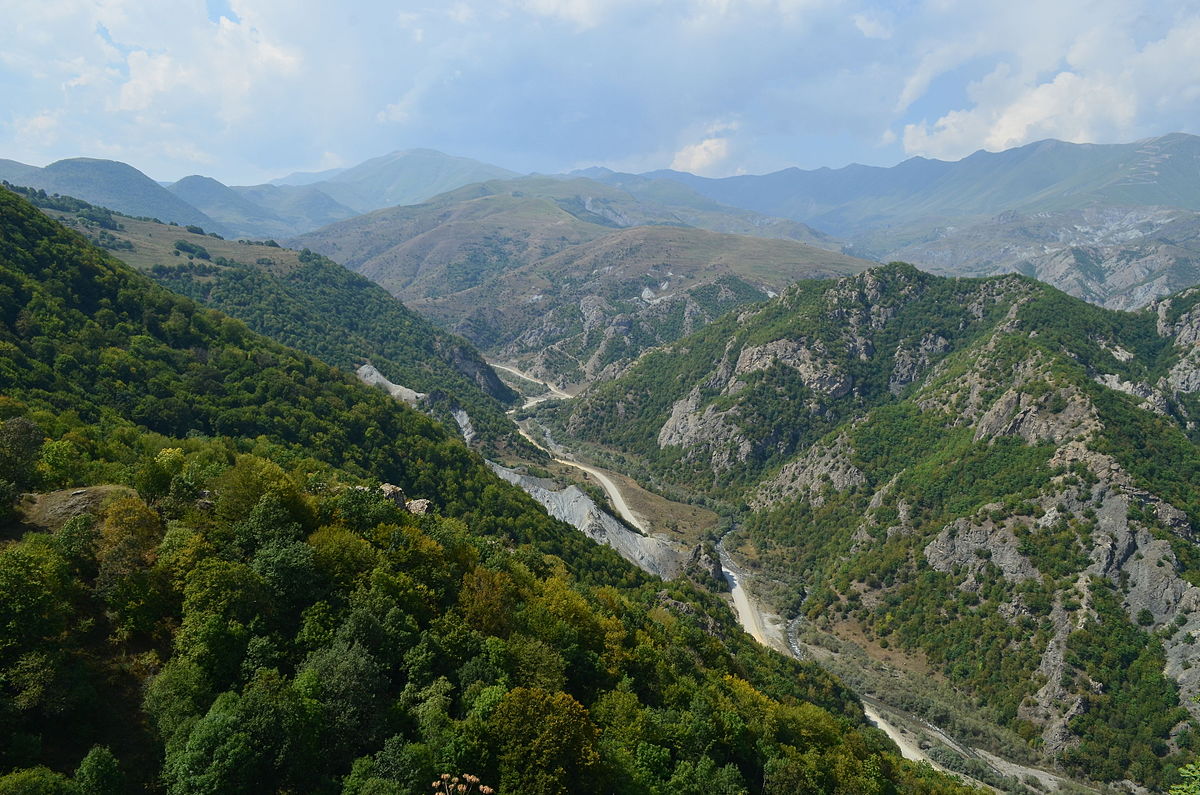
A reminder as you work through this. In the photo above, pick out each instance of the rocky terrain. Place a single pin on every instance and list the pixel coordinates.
(571, 278)
(1118, 257)
(964, 473)
(1112, 224)
(658, 556)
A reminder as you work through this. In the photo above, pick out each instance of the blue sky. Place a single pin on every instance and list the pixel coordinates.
(246, 90)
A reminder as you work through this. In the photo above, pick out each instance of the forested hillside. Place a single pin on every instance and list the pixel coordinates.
(242, 608)
(984, 480)
(307, 302)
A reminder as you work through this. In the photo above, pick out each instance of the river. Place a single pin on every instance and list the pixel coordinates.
(749, 613)
(606, 482)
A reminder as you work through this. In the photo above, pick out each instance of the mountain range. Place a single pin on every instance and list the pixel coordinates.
(572, 278)
(1044, 176)
(283, 208)
(1015, 210)
(235, 568)
(1039, 209)
(973, 498)
(985, 483)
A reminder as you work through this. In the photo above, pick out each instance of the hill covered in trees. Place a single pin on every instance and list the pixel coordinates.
(987, 482)
(208, 590)
(307, 302)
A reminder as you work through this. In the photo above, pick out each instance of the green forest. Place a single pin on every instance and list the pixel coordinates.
(318, 307)
(920, 467)
(241, 608)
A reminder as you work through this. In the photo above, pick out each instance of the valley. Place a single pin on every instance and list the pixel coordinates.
(947, 492)
(339, 577)
(579, 397)
(910, 733)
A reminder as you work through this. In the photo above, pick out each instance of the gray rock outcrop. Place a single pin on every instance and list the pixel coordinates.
(372, 377)
(658, 556)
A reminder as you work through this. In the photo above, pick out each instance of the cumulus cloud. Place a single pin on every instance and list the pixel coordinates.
(1083, 79)
(703, 157)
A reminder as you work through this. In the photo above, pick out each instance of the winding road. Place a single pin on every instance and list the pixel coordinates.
(751, 618)
(748, 613)
(553, 391)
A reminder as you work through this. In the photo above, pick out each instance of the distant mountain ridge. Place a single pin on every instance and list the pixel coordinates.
(289, 206)
(406, 177)
(942, 215)
(951, 217)
(108, 183)
(1042, 176)
(572, 277)
(1117, 257)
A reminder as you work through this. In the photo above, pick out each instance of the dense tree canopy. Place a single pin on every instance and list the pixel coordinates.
(253, 614)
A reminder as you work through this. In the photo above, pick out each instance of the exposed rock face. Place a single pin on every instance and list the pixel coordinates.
(1119, 257)
(418, 507)
(655, 555)
(598, 338)
(1034, 418)
(822, 467)
(464, 424)
(1151, 398)
(704, 566)
(393, 493)
(372, 377)
(1121, 551)
(816, 370)
(1184, 330)
(709, 429)
(963, 543)
(469, 364)
(913, 360)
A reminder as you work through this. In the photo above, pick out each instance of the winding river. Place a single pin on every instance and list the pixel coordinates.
(749, 613)
(606, 482)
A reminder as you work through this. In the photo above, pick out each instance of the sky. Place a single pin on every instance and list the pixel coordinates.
(248, 90)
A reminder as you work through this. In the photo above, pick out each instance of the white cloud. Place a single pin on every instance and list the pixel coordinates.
(1080, 77)
(42, 126)
(546, 84)
(701, 158)
(401, 111)
(721, 126)
(872, 26)
(150, 76)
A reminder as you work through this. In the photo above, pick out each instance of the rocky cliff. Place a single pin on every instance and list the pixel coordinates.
(988, 475)
(665, 559)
